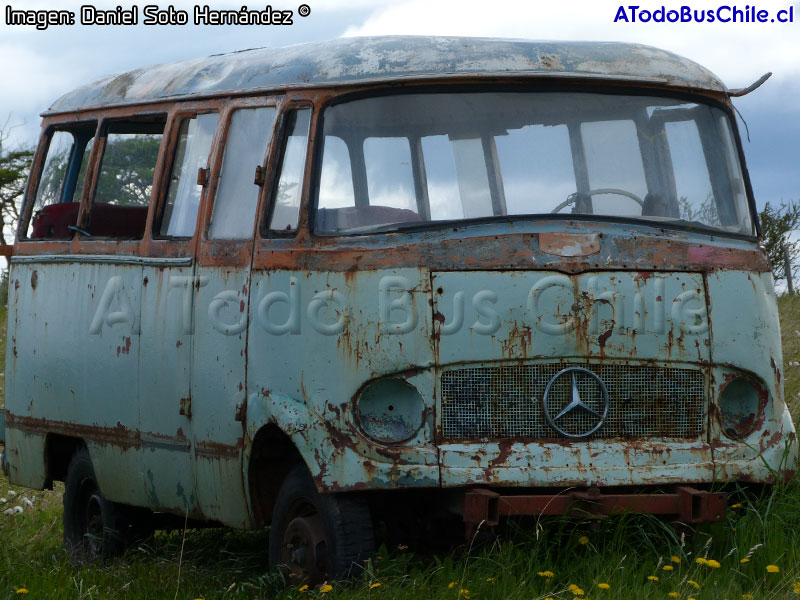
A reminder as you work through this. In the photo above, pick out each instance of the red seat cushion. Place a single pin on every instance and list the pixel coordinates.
(106, 220)
(53, 221)
(111, 220)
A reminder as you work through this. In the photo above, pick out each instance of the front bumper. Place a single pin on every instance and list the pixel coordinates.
(483, 507)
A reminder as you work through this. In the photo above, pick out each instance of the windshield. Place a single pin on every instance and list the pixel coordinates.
(393, 162)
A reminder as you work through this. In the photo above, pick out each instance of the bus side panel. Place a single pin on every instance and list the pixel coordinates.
(164, 380)
(746, 336)
(73, 364)
(218, 391)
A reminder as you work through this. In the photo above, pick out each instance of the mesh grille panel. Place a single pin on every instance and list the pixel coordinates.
(506, 402)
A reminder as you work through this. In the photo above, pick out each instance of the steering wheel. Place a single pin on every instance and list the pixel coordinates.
(571, 198)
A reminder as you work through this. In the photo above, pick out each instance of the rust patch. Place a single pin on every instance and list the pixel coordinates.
(34, 278)
(569, 244)
(216, 450)
(186, 406)
(119, 435)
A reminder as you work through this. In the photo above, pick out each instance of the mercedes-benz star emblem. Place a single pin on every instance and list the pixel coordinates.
(576, 403)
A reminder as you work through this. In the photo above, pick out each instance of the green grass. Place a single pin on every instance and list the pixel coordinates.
(622, 552)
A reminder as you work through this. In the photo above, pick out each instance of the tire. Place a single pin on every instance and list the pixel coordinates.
(95, 528)
(318, 537)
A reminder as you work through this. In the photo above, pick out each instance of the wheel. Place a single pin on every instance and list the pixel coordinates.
(572, 198)
(318, 537)
(96, 528)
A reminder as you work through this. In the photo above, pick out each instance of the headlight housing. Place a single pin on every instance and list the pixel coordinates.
(741, 405)
(390, 410)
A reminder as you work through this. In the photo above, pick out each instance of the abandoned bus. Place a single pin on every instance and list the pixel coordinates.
(424, 277)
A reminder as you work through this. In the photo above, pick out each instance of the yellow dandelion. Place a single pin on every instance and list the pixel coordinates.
(713, 564)
(694, 584)
(745, 560)
(691, 599)
(675, 559)
(375, 585)
(701, 561)
(325, 588)
(577, 591)
(652, 578)
(303, 588)
(604, 586)
(491, 579)
(747, 596)
(22, 590)
(673, 594)
(545, 574)
(583, 540)
(668, 568)
(452, 584)
(463, 592)
(773, 569)
(796, 587)
(737, 505)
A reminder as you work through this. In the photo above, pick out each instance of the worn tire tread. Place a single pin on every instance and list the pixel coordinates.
(122, 525)
(347, 518)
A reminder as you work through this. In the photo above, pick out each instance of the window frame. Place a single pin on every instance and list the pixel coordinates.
(161, 185)
(96, 161)
(275, 154)
(36, 172)
(223, 130)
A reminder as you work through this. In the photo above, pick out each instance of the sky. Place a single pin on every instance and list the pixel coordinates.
(40, 65)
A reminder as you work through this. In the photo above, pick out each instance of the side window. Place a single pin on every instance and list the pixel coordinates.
(390, 180)
(538, 169)
(287, 193)
(440, 170)
(125, 180)
(183, 193)
(237, 194)
(695, 195)
(614, 160)
(58, 195)
(336, 178)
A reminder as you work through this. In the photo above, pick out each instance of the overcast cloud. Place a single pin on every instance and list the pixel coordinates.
(38, 66)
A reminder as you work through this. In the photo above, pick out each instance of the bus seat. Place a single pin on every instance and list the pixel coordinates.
(117, 221)
(53, 221)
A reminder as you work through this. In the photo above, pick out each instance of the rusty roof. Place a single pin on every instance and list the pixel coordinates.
(372, 59)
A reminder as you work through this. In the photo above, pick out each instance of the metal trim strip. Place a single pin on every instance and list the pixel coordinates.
(102, 259)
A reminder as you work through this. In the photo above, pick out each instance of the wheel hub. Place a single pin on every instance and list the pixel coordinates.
(304, 549)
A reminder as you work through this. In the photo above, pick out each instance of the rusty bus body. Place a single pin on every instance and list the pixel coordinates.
(459, 335)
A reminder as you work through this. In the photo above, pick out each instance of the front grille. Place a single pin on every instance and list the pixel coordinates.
(506, 402)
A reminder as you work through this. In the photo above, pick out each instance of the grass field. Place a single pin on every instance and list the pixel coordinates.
(619, 558)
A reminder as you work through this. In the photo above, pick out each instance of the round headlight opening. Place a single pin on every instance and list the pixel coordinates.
(390, 410)
(739, 405)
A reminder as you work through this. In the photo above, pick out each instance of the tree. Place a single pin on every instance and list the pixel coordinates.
(15, 165)
(778, 224)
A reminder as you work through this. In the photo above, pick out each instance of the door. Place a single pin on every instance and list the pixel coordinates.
(222, 288)
(167, 322)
